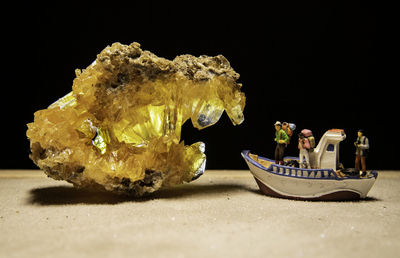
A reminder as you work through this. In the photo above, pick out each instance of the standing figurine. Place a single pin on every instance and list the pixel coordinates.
(288, 130)
(281, 139)
(304, 147)
(362, 147)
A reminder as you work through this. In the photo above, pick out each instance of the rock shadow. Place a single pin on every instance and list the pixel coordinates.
(69, 195)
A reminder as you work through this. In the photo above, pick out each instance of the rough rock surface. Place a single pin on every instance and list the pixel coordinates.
(119, 129)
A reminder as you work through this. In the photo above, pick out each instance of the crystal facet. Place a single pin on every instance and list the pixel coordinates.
(120, 127)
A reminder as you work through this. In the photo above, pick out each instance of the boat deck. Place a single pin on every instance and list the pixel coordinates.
(301, 172)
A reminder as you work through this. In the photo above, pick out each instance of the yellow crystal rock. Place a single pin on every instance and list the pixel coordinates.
(120, 127)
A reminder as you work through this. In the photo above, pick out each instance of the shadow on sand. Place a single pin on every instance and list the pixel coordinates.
(367, 199)
(64, 195)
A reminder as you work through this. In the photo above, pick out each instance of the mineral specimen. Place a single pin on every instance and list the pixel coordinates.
(120, 127)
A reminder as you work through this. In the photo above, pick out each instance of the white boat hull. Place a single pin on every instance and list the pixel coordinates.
(287, 182)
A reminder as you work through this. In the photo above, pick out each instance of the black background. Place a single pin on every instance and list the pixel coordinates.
(314, 64)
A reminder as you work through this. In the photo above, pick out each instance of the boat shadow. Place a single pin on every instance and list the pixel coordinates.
(69, 195)
(367, 199)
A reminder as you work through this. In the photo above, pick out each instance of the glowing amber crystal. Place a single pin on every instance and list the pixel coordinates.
(120, 127)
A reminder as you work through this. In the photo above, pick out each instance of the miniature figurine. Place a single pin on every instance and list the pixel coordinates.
(319, 182)
(304, 146)
(281, 139)
(288, 130)
(362, 147)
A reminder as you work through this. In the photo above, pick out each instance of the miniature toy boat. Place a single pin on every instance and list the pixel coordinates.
(323, 183)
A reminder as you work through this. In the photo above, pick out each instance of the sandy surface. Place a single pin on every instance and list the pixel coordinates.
(222, 214)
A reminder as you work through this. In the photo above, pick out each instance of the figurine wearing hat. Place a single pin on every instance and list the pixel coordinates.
(281, 139)
(362, 147)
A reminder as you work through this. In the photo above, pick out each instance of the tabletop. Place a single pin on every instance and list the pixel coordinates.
(221, 214)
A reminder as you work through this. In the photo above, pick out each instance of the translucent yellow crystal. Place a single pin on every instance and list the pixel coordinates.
(120, 127)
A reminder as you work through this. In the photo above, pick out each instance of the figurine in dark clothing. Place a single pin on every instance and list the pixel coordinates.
(362, 147)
